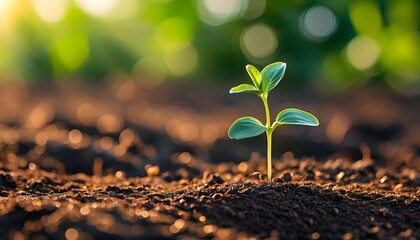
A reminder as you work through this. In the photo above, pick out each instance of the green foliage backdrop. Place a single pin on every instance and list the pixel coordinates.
(326, 43)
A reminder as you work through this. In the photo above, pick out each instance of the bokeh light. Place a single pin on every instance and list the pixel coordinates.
(363, 52)
(109, 123)
(218, 12)
(258, 42)
(318, 23)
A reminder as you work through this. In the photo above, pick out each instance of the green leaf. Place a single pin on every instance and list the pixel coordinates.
(246, 127)
(255, 75)
(296, 117)
(244, 88)
(271, 76)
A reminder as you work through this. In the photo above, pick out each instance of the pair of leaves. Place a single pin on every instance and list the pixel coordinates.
(247, 127)
(264, 81)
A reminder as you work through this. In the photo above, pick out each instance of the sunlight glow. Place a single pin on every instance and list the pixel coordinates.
(50, 11)
(3, 3)
(97, 7)
(5, 13)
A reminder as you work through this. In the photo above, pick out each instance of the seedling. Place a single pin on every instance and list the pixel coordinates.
(264, 82)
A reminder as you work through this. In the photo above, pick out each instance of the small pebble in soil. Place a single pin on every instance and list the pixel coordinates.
(315, 236)
(286, 177)
(35, 184)
(277, 180)
(374, 230)
(112, 189)
(217, 179)
(261, 176)
(383, 179)
(339, 176)
(152, 170)
(407, 233)
(347, 236)
(7, 180)
(214, 179)
(217, 196)
(168, 177)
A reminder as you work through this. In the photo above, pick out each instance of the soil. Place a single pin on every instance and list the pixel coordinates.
(120, 161)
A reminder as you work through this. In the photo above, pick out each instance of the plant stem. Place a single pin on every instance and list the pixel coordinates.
(269, 133)
(269, 174)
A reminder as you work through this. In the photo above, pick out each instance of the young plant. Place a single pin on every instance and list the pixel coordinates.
(264, 82)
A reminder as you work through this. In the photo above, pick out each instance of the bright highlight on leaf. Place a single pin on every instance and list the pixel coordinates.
(246, 127)
(264, 82)
(255, 75)
(244, 88)
(271, 76)
(296, 117)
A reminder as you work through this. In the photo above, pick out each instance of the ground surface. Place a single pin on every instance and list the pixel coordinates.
(121, 162)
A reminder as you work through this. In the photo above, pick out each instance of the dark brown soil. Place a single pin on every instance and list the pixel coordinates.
(119, 162)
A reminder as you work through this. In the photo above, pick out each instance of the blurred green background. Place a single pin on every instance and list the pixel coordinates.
(327, 44)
